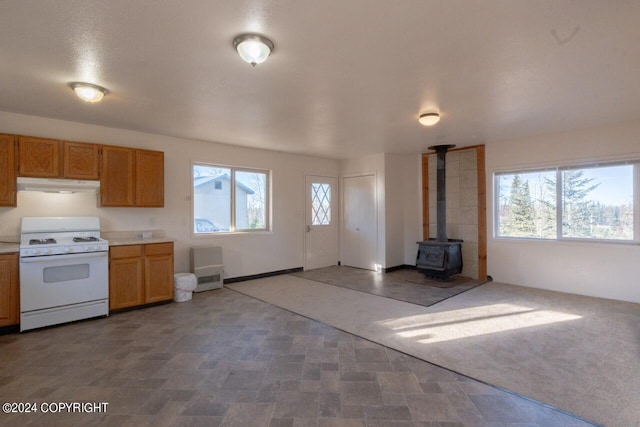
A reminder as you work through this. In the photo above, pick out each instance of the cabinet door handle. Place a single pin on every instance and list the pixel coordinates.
(308, 228)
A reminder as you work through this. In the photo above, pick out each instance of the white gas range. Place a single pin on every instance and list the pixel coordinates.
(64, 271)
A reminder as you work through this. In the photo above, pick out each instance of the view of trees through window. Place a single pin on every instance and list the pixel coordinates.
(587, 203)
(255, 214)
(213, 188)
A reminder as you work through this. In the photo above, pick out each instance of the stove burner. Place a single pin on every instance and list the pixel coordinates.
(42, 241)
(85, 239)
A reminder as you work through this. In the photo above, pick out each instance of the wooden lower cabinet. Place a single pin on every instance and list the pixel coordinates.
(140, 274)
(9, 289)
(158, 272)
(126, 287)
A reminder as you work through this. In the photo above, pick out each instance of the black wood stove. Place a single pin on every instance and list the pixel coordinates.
(440, 258)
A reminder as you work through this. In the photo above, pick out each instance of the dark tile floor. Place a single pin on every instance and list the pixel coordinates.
(225, 359)
(407, 285)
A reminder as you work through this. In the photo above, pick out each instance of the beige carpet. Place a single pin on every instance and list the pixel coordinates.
(578, 354)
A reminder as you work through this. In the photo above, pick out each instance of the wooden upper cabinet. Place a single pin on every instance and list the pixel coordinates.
(128, 177)
(7, 171)
(81, 161)
(39, 157)
(117, 178)
(131, 177)
(149, 172)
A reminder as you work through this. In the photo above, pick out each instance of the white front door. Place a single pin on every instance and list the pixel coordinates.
(321, 233)
(360, 233)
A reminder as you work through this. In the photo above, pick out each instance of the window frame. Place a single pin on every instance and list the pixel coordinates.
(558, 170)
(232, 182)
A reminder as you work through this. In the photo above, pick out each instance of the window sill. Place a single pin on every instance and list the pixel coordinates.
(232, 233)
(567, 241)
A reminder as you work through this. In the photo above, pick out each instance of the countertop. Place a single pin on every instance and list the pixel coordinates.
(114, 238)
(134, 237)
(6, 248)
(139, 241)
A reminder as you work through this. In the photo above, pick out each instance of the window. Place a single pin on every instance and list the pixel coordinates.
(320, 204)
(594, 202)
(228, 199)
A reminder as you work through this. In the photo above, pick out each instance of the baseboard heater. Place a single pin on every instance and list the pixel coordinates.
(206, 264)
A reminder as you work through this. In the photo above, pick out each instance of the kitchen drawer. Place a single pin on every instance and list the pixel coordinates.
(158, 248)
(127, 251)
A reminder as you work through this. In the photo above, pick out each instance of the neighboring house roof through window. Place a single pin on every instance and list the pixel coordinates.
(202, 180)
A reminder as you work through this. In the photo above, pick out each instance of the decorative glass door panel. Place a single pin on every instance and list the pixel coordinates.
(320, 204)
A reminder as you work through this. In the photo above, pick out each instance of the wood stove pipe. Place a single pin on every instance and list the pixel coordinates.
(441, 193)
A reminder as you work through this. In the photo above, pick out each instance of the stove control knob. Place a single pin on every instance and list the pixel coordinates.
(67, 249)
(36, 251)
(86, 248)
(46, 251)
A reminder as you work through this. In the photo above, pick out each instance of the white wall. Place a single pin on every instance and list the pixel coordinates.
(412, 168)
(394, 210)
(243, 254)
(403, 208)
(605, 270)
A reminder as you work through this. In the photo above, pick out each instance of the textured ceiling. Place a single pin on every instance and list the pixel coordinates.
(348, 77)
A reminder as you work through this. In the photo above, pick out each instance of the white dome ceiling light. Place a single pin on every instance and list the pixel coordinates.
(88, 92)
(429, 119)
(253, 48)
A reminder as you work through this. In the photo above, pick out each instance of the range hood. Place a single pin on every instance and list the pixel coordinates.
(50, 185)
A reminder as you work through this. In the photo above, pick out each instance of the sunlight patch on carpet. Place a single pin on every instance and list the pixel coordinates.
(472, 322)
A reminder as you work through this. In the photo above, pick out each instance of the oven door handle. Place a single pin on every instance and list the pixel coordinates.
(69, 257)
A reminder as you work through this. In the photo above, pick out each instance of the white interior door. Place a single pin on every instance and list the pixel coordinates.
(321, 234)
(360, 233)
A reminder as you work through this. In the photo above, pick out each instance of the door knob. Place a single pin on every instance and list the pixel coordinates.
(308, 228)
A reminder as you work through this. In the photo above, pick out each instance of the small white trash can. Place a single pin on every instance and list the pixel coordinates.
(183, 286)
